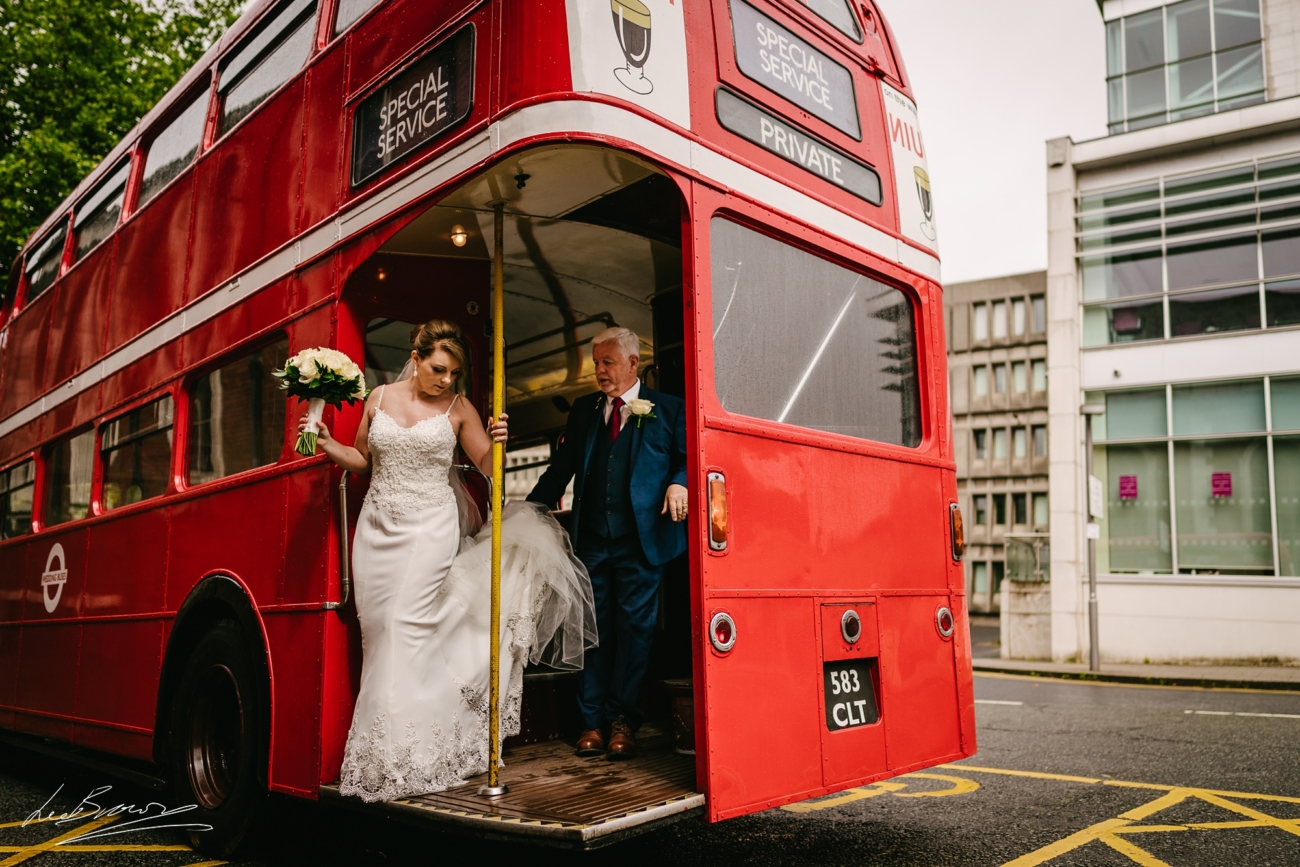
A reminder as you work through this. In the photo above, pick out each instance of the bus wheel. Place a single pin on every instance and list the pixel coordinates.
(216, 753)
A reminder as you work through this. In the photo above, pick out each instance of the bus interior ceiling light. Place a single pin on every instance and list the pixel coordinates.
(722, 632)
(458, 235)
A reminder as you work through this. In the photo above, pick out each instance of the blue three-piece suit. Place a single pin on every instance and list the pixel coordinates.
(621, 537)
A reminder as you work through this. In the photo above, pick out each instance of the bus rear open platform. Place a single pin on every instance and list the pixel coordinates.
(559, 799)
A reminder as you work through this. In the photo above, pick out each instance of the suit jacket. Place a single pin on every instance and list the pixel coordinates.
(658, 460)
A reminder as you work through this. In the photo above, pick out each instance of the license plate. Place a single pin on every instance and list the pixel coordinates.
(850, 693)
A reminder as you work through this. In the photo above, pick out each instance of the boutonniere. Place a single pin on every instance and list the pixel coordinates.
(642, 409)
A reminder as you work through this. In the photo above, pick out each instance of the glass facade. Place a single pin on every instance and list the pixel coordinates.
(1182, 61)
(1188, 255)
(1201, 479)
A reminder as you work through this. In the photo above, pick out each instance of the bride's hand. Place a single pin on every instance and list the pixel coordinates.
(498, 430)
(322, 432)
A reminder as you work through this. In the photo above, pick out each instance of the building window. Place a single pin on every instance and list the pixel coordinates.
(1020, 508)
(981, 445)
(980, 313)
(981, 510)
(1000, 444)
(1196, 497)
(1018, 317)
(1040, 440)
(1193, 254)
(980, 577)
(69, 469)
(16, 487)
(1039, 304)
(1019, 381)
(1000, 378)
(981, 380)
(999, 320)
(1040, 510)
(136, 455)
(1000, 510)
(1019, 443)
(999, 574)
(1182, 61)
(1040, 375)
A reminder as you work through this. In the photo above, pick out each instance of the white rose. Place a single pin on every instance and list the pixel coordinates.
(640, 407)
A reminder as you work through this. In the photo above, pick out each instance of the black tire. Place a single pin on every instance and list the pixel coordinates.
(217, 752)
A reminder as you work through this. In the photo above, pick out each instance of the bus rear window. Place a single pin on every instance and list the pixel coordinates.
(136, 452)
(837, 14)
(237, 416)
(69, 469)
(16, 487)
(800, 340)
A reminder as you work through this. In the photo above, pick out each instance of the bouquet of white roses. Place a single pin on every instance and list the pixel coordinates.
(320, 376)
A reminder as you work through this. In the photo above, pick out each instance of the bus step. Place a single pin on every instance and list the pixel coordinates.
(559, 799)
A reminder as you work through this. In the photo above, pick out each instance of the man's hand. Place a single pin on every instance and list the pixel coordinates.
(675, 502)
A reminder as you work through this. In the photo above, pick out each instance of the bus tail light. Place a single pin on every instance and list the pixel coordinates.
(722, 632)
(717, 512)
(958, 532)
(944, 621)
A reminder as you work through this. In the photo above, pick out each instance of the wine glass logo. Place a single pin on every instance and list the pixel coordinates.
(927, 201)
(632, 25)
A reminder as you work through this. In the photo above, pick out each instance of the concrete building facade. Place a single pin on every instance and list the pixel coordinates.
(997, 365)
(1173, 290)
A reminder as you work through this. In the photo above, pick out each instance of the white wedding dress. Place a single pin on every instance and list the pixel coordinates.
(423, 599)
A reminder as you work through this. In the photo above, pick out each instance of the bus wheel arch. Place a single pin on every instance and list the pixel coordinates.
(214, 712)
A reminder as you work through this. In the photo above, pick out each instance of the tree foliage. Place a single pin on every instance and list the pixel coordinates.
(75, 76)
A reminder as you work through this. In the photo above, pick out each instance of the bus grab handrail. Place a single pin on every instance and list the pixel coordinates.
(345, 556)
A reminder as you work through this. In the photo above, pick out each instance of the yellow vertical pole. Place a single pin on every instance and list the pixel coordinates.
(494, 787)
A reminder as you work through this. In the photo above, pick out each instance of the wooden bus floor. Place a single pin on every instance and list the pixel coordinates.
(559, 799)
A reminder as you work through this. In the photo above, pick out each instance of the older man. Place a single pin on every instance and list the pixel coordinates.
(625, 447)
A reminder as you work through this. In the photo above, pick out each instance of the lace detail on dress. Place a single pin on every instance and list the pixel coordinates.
(409, 465)
(373, 771)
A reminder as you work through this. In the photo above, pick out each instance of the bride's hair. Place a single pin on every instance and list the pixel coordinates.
(447, 336)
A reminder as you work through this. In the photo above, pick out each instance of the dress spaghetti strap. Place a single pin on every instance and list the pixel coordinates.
(451, 405)
(380, 405)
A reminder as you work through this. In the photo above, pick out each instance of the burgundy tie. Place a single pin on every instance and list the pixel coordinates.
(615, 418)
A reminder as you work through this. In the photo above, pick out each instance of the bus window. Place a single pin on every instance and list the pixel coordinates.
(266, 61)
(349, 12)
(96, 215)
(237, 416)
(17, 485)
(837, 14)
(43, 265)
(135, 450)
(69, 467)
(174, 148)
(793, 332)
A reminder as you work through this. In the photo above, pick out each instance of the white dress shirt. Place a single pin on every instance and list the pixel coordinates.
(624, 411)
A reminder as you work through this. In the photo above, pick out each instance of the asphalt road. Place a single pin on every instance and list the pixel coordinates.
(1107, 775)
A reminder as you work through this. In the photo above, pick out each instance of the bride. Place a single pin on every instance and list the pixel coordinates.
(422, 585)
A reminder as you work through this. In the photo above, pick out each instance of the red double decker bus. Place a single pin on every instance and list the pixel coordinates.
(741, 182)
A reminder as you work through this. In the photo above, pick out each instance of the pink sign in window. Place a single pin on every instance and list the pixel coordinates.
(1128, 487)
(1221, 484)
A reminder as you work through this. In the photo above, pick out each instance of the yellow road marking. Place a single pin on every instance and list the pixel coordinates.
(998, 675)
(41, 848)
(960, 786)
(1031, 774)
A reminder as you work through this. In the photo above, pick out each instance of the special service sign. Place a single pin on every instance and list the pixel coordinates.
(416, 106)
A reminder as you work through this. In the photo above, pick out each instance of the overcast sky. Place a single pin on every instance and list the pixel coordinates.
(993, 81)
